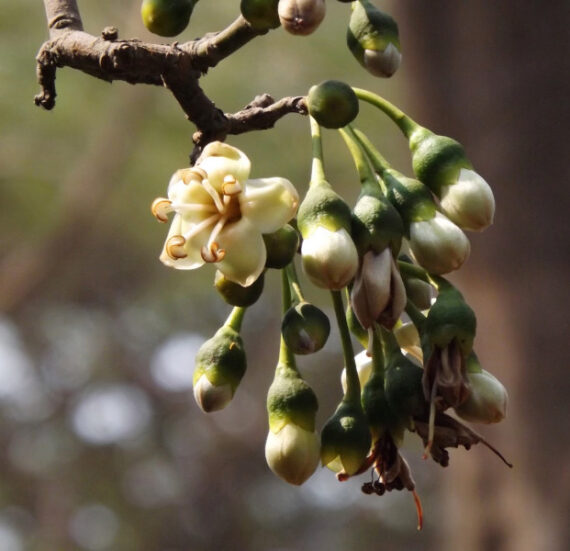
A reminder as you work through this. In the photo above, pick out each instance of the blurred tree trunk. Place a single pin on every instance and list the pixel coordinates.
(495, 76)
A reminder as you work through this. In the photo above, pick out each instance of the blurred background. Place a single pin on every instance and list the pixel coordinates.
(101, 444)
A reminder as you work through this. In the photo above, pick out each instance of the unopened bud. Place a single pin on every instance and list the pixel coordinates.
(237, 295)
(301, 17)
(372, 37)
(220, 366)
(333, 104)
(305, 328)
(281, 246)
(261, 14)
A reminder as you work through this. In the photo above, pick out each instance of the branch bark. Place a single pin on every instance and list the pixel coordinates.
(178, 67)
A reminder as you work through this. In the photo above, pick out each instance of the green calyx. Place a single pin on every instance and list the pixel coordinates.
(345, 438)
(332, 103)
(411, 197)
(450, 318)
(376, 407)
(261, 14)
(305, 328)
(322, 206)
(370, 29)
(166, 17)
(437, 160)
(290, 400)
(281, 246)
(376, 223)
(222, 358)
(236, 295)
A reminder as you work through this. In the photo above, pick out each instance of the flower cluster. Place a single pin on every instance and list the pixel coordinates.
(386, 254)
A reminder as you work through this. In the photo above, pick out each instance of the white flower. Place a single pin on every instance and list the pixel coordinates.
(211, 397)
(220, 215)
(469, 202)
(330, 259)
(383, 63)
(438, 244)
(487, 400)
(378, 293)
(293, 453)
(363, 363)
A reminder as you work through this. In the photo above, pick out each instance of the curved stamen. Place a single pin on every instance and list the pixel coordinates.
(175, 247)
(213, 194)
(160, 208)
(212, 253)
(231, 186)
(197, 228)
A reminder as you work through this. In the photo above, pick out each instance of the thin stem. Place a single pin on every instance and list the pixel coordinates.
(378, 161)
(416, 315)
(405, 123)
(378, 354)
(286, 356)
(409, 270)
(235, 318)
(359, 157)
(317, 169)
(294, 282)
(352, 382)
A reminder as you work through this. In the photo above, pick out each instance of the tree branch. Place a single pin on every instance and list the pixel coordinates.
(177, 67)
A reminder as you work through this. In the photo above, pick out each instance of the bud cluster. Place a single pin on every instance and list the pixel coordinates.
(385, 255)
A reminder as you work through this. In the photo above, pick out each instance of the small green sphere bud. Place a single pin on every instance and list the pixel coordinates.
(281, 247)
(305, 328)
(166, 17)
(333, 104)
(261, 14)
(236, 295)
(220, 366)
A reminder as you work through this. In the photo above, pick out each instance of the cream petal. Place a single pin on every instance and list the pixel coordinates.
(219, 159)
(245, 252)
(193, 258)
(269, 203)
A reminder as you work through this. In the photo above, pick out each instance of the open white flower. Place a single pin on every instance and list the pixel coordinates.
(220, 215)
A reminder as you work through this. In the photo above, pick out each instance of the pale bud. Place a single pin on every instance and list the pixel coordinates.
(487, 400)
(301, 17)
(293, 453)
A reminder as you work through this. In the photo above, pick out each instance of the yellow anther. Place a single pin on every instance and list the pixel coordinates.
(160, 208)
(193, 174)
(212, 253)
(231, 186)
(175, 247)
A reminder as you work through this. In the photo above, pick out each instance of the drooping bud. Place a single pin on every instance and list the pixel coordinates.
(301, 17)
(261, 14)
(329, 255)
(237, 295)
(281, 247)
(333, 104)
(488, 398)
(372, 37)
(419, 292)
(292, 447)
(441, 164)
(305, 328)
(220, 366)
(345, 439)
(166, 17)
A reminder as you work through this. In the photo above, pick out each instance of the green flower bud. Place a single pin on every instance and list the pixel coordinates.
(261, 14)
(328, 252)
(220, 366)
(403, 386)
(281, 246)
(440, 163)
(488, 398)
(166, 17)
(333, 104)
(419, 292)
(237, 295)
(372, 37)
(301, 17)
(450, 319)
(345, 439)
(292, 446)
(305, 328)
